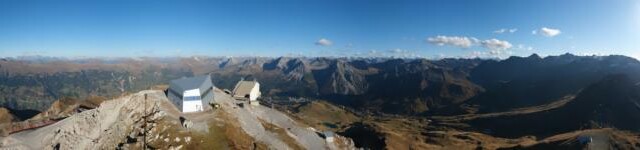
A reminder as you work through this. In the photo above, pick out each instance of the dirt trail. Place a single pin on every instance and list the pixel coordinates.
(249, 123)
(600, 139)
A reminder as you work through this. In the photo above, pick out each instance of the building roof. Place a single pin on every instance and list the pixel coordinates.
(244, 87)
(183, 84)
(327, 134)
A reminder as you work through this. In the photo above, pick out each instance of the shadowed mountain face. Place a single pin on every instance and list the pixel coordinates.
(400, 86)
(522, 82)
(612, 102)
(388, 85)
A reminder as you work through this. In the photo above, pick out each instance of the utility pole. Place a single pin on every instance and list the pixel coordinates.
(144, 125)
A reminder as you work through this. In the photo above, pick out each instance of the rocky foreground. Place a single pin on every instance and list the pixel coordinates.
(148, 119)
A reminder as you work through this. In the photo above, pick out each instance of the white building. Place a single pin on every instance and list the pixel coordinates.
(247, 90)
(191, 94)
(328, 136)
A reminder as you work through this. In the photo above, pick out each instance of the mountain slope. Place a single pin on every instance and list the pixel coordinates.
(523, 82)
(611, 102)
(378, 85)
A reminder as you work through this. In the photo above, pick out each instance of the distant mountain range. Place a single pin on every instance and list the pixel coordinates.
(385, 85)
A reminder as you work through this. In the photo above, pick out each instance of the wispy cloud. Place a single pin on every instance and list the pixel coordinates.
(34, 53)
(495, 44)
(525, 47)
(457, 41)
(476, 54)
(391, 53)
(548, 32)
(402, 53)
(495, 48)
(324, 42)
(505, 30)
(489, 54)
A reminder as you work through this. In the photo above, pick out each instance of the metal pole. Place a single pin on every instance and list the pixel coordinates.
(144, 125)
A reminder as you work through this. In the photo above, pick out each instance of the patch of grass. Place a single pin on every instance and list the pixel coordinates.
(324, 116)
(222, 134)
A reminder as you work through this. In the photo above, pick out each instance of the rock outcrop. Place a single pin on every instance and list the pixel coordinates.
(102, 128)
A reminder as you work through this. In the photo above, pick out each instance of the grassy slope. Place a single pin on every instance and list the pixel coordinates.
(399, 132)
(222, 133)
(324, 115)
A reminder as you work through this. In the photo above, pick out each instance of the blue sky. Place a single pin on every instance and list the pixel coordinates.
(428, 28)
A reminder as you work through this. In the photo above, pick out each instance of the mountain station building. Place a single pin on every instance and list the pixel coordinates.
(247, 90)
(191, 94)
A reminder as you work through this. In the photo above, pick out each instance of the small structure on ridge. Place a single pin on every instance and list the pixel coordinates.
(247, 90)
(191, 94)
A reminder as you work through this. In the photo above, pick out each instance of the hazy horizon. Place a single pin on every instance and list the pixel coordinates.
(41, 57)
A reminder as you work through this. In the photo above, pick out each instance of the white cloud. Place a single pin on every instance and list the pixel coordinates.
(458, 41)
(324, 42)
(504, 30)
(439, 56)
(524, 47)
(495, 48)
(636, 55)
(498, 53)
(476, 54)
(374, 53)
(548, 32)
(495, 44)
(402, 53)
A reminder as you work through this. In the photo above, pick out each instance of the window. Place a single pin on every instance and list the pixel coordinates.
(191, 98)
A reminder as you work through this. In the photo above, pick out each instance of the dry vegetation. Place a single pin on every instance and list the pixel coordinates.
(611, 138)
(400, 132)
(412, 133)
(6, 116)
(222, 133)
(324, 116)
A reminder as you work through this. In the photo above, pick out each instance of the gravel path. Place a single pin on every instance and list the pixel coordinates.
(249, 122)
(249, 118)
(307, 138)
(600, 140)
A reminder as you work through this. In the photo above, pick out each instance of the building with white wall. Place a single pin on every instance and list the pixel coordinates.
(247, 90)
(191, 94)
